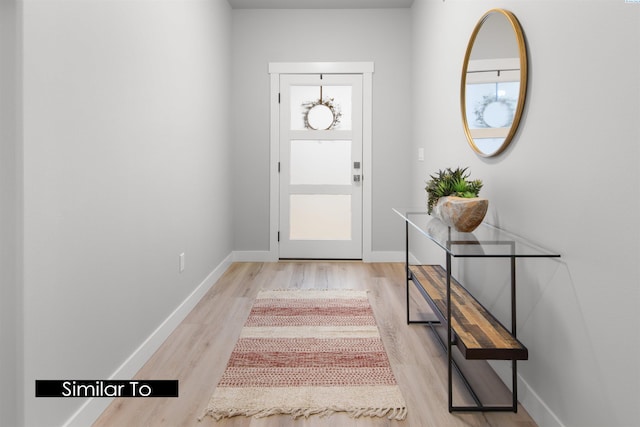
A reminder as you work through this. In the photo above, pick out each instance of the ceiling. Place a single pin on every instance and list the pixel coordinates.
(319, 4)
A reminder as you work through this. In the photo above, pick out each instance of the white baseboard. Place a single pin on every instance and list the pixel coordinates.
(413, 260)
(254, 256)
(93, 408)
(530, 400)
(385, 256)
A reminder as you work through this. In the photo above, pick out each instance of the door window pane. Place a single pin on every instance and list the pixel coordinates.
(320, 217)
(320, 162)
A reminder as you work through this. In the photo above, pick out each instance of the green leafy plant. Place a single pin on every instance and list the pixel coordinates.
(451, 182)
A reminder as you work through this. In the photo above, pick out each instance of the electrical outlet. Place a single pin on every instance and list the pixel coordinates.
(181, 263)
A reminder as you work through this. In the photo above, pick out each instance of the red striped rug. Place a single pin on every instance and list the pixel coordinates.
(305, 352)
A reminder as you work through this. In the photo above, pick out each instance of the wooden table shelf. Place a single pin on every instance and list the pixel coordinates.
(479, 334)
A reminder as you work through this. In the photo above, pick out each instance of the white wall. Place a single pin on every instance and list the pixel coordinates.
(575, 155)
(126, 165)
(263, 36)
(10, 310)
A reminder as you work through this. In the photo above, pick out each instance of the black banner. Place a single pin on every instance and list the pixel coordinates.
(106, 388)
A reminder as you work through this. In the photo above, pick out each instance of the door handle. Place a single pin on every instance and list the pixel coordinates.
(356, 178)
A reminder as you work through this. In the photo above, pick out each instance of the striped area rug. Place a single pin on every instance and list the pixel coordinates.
(306, 352)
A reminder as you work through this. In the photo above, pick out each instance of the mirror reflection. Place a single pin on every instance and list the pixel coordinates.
(494, 80)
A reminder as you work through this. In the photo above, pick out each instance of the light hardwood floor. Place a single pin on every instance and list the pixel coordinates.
(197, 351)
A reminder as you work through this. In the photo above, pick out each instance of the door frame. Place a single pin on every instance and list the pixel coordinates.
(275, 70)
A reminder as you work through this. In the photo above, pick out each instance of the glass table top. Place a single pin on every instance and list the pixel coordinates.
(484, 241)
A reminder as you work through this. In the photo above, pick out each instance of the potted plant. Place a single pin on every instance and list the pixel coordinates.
(453, 198)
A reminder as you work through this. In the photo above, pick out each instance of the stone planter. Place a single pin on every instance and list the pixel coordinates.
(463, 214)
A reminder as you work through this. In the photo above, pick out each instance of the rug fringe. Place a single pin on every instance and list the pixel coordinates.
(391, 413)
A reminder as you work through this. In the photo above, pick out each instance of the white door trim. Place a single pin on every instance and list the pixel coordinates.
(364, 68)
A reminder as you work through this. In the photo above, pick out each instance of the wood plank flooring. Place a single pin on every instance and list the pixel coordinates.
(197, 351)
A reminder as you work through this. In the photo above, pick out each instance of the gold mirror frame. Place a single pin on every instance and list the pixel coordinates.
(522, 53)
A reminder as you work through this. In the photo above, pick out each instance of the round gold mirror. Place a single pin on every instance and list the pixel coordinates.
(494, 82)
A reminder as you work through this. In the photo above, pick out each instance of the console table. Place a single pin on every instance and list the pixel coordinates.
(470, 326)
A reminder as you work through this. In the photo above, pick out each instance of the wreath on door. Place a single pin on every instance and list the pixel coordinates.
(322, 114)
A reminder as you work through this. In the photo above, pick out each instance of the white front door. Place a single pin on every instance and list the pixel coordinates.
(320, 166)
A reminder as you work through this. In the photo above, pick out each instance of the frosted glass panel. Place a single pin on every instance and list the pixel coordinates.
(301, 95)
(320, 162)
(320, 217)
